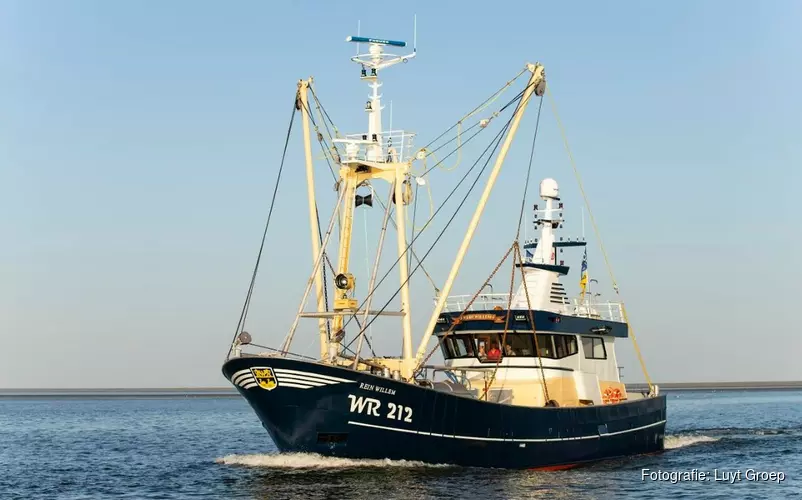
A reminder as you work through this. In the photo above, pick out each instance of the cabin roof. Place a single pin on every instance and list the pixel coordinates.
(545, 321)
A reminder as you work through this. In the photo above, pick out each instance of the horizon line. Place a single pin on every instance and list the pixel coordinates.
(666, 385)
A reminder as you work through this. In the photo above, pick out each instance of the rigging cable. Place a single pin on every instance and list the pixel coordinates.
(528, 171)
(598, 237)
(477, 108)
(246, 305)
(497, 141)
(506, 329)
(326, 151)
(516, 259)
(520, 94)
(411, 250)
(531, 319)
(467, 307)
(515, 245)
(325, 279)
(322, 141)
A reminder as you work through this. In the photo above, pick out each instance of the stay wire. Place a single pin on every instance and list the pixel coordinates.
(325, 279)
(325, 113)
(466, 141)
(249, 295)
(497, 141)
(528, 171)
(474, 110)
(321, 140)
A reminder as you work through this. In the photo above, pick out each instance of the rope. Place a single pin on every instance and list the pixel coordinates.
(512, 277)
(279, 351)
(497, 141)
(367, 264)
(411, 251)
(322, 141)
(504, 336)
(598, 237)
(532, 322)
(453, 216)
(412, 226)
(528, 172)
(465, 310)
(320, 104)
(326, 119)
(246, 305)
(325, 278)
(481, 106)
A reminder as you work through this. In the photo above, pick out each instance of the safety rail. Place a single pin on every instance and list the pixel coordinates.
(583, 308)
(483, 302)
(609, 311)
(395, 146)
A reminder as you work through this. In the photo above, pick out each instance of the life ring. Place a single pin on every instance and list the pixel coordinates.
(611, 395)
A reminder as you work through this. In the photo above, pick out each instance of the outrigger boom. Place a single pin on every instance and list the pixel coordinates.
(536, 85)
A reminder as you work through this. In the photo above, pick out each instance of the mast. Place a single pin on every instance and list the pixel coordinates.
(378, 154)
(536, 85)
(314, 223)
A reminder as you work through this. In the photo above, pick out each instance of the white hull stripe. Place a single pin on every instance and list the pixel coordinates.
(299, 380)
(313, 376)
(240, 372)
(287, 378)
(511, 440)
(294, 385)
(240, 378)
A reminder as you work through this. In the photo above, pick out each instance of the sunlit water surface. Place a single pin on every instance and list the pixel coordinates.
(169, 448)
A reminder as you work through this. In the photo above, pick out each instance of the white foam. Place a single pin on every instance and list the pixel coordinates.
(673, 442)
(313, 461)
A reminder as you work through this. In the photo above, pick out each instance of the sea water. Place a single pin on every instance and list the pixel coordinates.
(214, 447)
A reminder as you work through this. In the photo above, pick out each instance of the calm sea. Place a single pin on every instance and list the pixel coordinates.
(189, 447)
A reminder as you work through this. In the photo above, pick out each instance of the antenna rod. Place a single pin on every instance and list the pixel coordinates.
(415, 33)
(358, 32)
(535, 82)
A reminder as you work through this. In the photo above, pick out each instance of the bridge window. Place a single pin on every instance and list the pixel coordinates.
(550, 346)
(594, 348)
(519, 345)
(457, 346)
(565, 345)
(556, 346)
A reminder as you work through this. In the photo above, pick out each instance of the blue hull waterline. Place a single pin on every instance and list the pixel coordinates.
(314, 408)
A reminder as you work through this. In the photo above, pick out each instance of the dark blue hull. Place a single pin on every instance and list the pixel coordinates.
(315, 408)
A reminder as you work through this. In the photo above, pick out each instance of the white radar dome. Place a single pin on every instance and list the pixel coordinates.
(549, 189)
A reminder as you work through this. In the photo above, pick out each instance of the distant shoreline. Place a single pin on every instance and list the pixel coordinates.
(230, 392)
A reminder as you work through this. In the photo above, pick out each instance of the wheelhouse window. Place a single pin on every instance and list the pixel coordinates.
(565, 345)
(555, 346)
(457, 346)
(594, 348)
(488, 347)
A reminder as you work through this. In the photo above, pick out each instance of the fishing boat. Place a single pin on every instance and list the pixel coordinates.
(528, 378)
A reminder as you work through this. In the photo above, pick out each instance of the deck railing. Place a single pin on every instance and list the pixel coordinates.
(396, 145)
(609, 311)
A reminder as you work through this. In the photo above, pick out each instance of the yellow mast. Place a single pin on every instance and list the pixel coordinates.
(303, 96)
(403, 271)
(344, 281)
(535, 83)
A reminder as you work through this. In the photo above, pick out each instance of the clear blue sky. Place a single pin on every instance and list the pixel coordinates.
(139, 142)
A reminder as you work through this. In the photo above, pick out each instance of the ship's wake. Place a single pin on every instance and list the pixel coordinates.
(674, 441)
(313, 461)
(683, 439)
